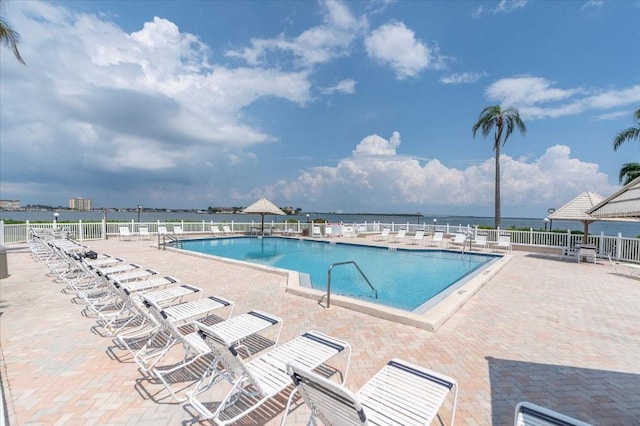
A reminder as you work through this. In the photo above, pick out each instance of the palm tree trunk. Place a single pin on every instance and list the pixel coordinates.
(498, 214)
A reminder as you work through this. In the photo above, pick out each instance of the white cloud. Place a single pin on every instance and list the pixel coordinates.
(507, 6)
(593, 3)
(395, 45)
(463, 77)
(142, 102)
(614, 115)
(347, 86)
(536, 97)
(477, 12)
(378, 177)
(316, 45)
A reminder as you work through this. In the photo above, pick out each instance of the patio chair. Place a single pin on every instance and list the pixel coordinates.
(177, 230)
(133, 315)
(348, 231)
(528, 414)
(124, 234)
(384, 235)
(162, 230)
(317, 231)
(262, 378)
(399, 237)
(143, 233)
(215, 231)
(328, 232)
(632, 268)
(437, 239)
(162, 339)
(226, 229)
(588, 253)
(459, 240)
(479, 241)
(401, 394)
(503, 243)
(418, 238)
(236, 330)
(115, 269)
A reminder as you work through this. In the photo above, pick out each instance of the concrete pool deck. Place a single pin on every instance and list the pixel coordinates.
(557, 333)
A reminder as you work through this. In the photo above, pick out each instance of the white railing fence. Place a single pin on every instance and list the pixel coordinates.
(619, 247)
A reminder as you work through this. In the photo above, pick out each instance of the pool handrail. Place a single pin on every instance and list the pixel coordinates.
(346, 263)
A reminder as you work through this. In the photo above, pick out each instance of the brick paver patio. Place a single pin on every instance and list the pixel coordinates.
(557, 333)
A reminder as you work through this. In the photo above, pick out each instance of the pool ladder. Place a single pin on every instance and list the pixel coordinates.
(171, 238)
(348, 262)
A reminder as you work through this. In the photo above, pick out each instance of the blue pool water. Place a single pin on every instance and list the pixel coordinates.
(404, 279)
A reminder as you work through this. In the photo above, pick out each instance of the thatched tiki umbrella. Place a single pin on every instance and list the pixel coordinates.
(577, 208)
(263, 207)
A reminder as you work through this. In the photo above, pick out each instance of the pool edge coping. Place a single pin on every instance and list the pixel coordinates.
(430, 320)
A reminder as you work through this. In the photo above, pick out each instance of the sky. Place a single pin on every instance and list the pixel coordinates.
(351, 106)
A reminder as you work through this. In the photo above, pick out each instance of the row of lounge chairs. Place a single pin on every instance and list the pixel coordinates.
(459, 240)
(143, 233)
(149, 315)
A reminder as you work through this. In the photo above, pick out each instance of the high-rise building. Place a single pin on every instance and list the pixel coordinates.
(80, 203)
(10, 204)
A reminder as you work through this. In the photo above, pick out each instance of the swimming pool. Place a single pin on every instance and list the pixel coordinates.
(404, 279)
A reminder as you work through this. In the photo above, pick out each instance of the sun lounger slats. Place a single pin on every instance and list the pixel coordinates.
(418, 405)
(165, 296)
(400, 394)
(311, 349)
(131, 276)
(147, 284)
(191, 310)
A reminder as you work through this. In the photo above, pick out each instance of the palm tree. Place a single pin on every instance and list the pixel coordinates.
(503, 122)
(628, 134)
(628, 172)
(9, 37)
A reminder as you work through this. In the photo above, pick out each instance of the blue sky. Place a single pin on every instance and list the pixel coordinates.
(323, 105)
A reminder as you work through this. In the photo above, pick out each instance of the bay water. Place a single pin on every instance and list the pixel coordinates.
(609, 228)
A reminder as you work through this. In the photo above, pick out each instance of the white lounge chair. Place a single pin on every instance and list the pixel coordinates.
(215, 231)
(226, 229)
(632, 268)
(480, 241)
(528, 414)
(162, 230)
(459, 240)
(384, 236)
(418, 238)
(262, 378)
(503, 243)
(159, 342)
(125, 234)
(236, 330)
(399, 237)
(437, 239)
(328, 232)
(316, 231)
(291, 231)
(143, 233)
(348, 231)
(401, 394)
(177, 230)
